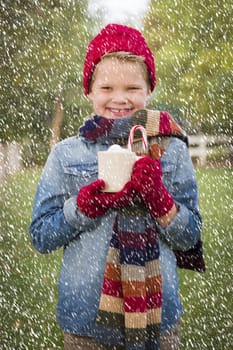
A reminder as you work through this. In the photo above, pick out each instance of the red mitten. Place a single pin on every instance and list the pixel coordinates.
(92, 202)
(147, 180)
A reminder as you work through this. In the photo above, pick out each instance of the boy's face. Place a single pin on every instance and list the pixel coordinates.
(119, 88)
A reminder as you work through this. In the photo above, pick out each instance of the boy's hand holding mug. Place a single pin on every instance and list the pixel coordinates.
(147, 181)
(93, 202)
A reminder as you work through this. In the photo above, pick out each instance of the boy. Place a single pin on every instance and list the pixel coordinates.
(118, 286)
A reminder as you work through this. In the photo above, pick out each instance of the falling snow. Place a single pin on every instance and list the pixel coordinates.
(42, 50)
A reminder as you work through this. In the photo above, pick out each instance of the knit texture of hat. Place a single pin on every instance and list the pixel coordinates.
(114, 38)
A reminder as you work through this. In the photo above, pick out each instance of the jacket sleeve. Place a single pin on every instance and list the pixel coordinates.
(184, 230)
(55, 219)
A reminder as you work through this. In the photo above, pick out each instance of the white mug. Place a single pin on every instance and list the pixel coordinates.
(115, 167)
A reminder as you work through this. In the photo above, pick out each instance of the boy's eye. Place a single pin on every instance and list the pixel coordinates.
(106, 88)
(133, 88)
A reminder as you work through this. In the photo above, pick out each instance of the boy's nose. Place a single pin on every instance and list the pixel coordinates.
(119, 97)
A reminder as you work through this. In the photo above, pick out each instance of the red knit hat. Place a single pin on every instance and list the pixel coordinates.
(113, 38)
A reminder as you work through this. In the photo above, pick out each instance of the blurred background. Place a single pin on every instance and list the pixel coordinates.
(43, 46)
(42, 49)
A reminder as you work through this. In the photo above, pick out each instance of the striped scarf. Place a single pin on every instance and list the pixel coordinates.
(131, 298)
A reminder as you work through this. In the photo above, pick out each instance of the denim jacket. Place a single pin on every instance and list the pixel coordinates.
(56, 222)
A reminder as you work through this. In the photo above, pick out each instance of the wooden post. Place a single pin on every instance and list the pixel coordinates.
(10, 159)
(57, 121)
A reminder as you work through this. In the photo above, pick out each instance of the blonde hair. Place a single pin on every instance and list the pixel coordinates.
(126, 57)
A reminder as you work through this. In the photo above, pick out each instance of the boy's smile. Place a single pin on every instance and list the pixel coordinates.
(120, 112)
(118, 89)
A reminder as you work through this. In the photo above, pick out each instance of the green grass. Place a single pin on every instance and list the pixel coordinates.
(28, 280)
(207, 298)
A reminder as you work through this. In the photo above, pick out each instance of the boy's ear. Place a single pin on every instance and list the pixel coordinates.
(89, 96)
(148, 95)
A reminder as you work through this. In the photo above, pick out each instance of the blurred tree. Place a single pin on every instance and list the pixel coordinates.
(42, 51)
(192, 42)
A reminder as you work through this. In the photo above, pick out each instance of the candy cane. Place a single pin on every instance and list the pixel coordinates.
(144, 137)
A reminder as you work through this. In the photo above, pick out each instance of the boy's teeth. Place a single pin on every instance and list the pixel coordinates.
(119, 110)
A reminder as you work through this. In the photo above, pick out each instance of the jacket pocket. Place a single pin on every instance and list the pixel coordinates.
(79, 175)
(168, 170)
